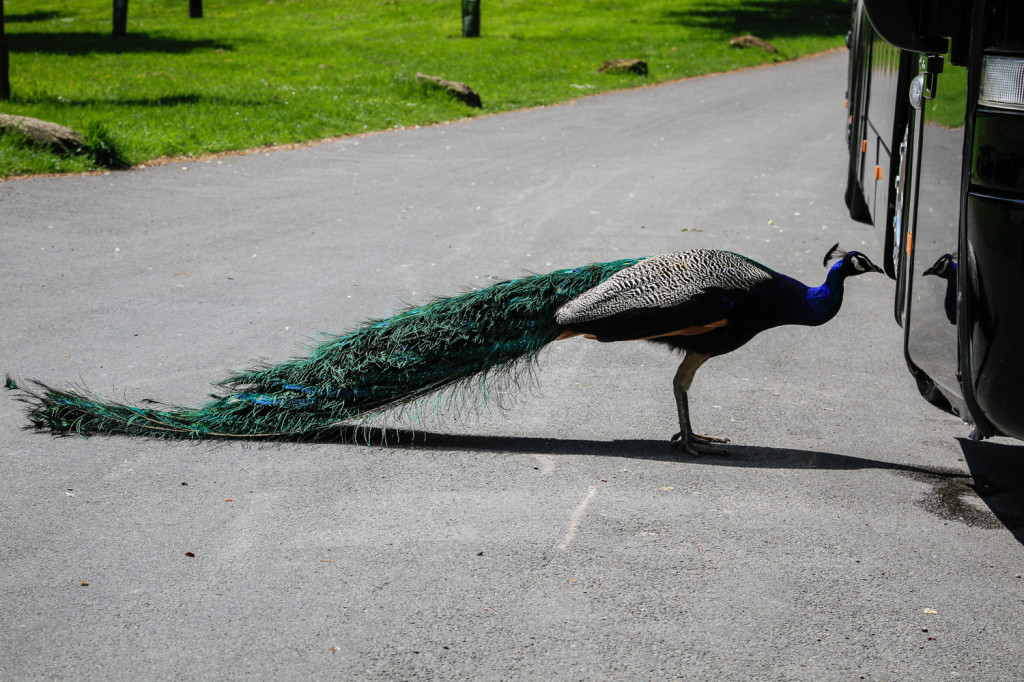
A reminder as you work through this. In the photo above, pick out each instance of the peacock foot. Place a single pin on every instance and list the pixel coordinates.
(705, 440)
(698, 444)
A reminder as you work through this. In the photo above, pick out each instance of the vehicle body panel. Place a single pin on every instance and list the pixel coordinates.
(947, 199)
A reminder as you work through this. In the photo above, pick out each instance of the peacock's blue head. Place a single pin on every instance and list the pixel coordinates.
(850, 262)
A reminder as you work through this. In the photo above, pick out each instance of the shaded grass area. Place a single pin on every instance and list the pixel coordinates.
(263, 72)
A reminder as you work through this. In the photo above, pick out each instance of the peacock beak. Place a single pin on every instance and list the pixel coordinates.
(864, 264)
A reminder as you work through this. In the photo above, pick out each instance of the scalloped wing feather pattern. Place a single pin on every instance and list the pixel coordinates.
(662, 282)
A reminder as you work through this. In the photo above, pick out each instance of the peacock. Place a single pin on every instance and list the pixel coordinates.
(701, 302)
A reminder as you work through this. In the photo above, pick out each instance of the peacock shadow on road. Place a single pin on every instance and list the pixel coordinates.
(996, 471)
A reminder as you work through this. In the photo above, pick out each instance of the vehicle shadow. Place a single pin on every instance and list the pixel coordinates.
(996, 472)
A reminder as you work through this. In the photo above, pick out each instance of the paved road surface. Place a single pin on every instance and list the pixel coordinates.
(563, 539)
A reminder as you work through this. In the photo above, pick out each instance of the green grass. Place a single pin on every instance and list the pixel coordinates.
(270, 72)
(950, 103)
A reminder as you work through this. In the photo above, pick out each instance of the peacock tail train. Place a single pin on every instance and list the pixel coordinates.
(481, 336)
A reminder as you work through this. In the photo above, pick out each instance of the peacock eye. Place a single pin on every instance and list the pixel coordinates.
(858, 263)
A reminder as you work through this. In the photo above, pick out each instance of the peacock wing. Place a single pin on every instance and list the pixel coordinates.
(700, 314)
(687, 292)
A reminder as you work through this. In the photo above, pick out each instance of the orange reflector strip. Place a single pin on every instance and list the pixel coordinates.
(864, 146)
(878, 172)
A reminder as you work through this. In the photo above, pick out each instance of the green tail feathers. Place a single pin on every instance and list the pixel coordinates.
(480, 336)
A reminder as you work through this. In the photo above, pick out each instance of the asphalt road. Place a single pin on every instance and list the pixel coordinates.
(851, 533)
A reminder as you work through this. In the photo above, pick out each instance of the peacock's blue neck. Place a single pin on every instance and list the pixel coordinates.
(820, 304)
(796, 303)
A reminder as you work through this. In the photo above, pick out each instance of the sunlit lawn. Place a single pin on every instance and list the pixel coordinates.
(265, 72)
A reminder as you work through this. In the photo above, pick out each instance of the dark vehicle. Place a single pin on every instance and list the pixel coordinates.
(936, 165)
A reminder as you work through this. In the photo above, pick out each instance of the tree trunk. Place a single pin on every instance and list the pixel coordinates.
(120, 17)
(5, 80)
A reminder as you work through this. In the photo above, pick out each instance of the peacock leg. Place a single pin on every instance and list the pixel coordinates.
(686, 440)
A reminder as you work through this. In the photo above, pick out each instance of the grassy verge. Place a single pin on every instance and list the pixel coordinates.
(264, 72)
(949, 107)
